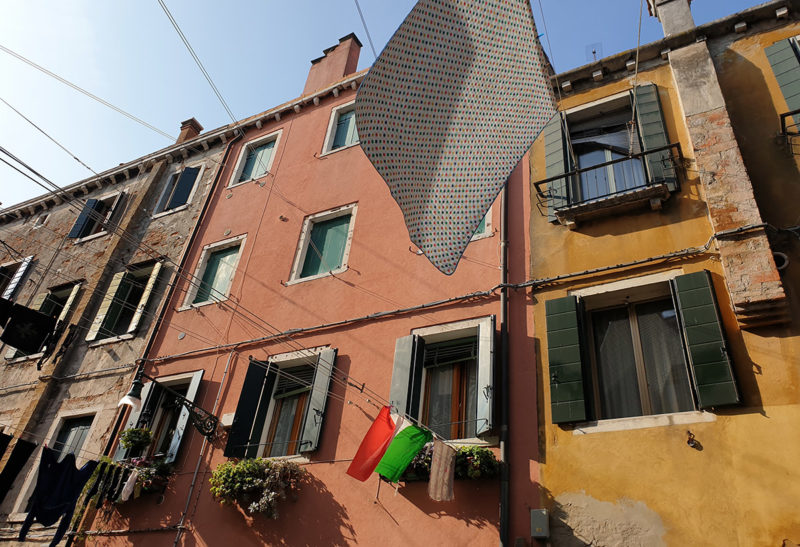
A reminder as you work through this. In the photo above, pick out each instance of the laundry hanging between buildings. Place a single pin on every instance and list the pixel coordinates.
(448, 110)
(25, 329)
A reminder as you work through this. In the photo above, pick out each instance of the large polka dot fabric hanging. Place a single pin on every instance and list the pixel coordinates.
(448, 110)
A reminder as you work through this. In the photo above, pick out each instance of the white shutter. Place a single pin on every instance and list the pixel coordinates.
(11, 287)
(151, 281)
(133, 417)
(183, 419)
(108, 299)
(485, 374)
(68, 304)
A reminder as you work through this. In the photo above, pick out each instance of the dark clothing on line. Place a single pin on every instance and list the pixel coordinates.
(111, 485)
(120, 484)
(4, 440)
(16, 461)
(58, 487)
(96, 485)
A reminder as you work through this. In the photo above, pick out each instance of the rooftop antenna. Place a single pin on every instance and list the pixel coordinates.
(594, 51)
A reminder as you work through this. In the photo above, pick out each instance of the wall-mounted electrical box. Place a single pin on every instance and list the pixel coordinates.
(540, 524)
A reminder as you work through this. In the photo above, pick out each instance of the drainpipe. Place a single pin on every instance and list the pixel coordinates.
(504, 455)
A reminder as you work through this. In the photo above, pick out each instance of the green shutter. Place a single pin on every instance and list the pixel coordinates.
(555, 159)
(653, 131)
(786, 67)
(567, 400)
(404, 394)
(312, 423)
(705, 341)
(257, 386)
(325, 252)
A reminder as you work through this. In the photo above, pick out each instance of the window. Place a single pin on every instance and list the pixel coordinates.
(164, 415)
(96, 217)
(785, 62)
(72, 435)
(629, 349)
(10, 276)
(324, 243)
(40, 221)
(178, 190)
(256, 159)
(342, 131)
(484, 228)
(215, 271)
(55, 303)
(282, 404)
(125, 301)
(443, 376)
(594, 134)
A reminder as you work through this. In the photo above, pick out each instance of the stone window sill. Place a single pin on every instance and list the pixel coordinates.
(643, 422)
(111, 340)
(653, 195)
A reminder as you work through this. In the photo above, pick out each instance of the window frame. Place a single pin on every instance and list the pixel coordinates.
(207, 251)
(303, 243)
(10, 289)
(109, 216)
(110, 297)
(245, 149)
(175, 176)
(330, 134)
(40, 221)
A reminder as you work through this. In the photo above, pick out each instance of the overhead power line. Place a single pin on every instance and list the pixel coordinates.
(87, 93)
(364, 22)
(43, 132)
(197, 60)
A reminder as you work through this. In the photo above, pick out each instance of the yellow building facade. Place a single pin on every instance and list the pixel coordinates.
(665, 278)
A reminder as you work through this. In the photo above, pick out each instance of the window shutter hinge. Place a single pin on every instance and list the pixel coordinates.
(487, 392)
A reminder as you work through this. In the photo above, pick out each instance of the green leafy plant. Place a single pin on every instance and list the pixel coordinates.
(472, 462)
(135, 438)
(153, 474)
(257, 484)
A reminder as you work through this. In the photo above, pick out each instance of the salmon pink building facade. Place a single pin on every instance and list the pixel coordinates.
(304, 310)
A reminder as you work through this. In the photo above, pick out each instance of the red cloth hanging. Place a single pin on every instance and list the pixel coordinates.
(372, 448)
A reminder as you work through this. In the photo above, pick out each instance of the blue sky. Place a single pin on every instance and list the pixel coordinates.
(258, 54)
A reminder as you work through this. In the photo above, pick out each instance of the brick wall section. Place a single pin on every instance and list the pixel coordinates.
(753, 281)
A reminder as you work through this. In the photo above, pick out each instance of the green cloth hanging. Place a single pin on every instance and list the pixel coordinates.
(404, 446)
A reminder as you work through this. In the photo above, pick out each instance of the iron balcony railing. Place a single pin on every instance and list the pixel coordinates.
(789, 128)
(674, 159)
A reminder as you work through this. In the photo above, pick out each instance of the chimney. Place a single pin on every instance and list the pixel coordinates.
(337, 62)
(189, 130)
(675, 15)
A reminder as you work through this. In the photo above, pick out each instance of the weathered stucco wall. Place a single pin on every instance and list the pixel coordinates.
(647, 486)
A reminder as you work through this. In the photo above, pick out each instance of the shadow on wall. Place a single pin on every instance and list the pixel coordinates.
(325, 523)
(475, 501)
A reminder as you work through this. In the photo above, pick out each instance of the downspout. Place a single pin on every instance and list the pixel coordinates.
(504, 383)
(172, 286)
(202, 450)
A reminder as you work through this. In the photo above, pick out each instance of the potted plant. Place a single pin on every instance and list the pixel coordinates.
(135, 438)
(153, 475)
(257, 484)
(472, 462)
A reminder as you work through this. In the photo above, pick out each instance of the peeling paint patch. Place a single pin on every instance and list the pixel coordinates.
(578, 519)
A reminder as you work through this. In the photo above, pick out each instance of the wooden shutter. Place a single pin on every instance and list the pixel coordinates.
(404, 395)
(108, 300)
(653, 132)
(148, 290)
(83, 220)
(183, 418)
(485, 386)
(133, 419)
(257, 385)
(183, 187)
(786, 67)
(70, 300)
(315, 410)
(556, 163)
(567, 399)
(11, 288)
(703, 336)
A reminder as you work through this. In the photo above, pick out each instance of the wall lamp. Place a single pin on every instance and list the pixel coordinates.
(205, 422)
